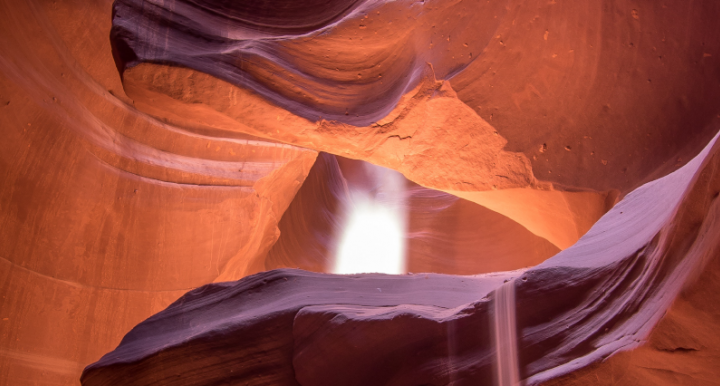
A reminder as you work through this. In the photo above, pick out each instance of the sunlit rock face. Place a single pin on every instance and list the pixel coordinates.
(470, 238)
(602, 295)
(604, 103)
(151, 148)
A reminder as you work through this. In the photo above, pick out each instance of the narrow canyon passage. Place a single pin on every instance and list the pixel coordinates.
(193, 192)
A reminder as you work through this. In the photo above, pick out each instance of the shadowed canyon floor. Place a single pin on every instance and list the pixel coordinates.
(151, 148)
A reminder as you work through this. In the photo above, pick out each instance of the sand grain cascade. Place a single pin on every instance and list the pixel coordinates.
(506, 367)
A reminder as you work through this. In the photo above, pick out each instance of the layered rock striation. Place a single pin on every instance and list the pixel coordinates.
(602, 295)
(152, 147)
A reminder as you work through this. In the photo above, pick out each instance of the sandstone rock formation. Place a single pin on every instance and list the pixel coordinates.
(151, 147)
(289, 327)
(471, 238)
(102, 206)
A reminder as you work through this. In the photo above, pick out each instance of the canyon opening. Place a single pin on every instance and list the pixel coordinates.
(359, 192)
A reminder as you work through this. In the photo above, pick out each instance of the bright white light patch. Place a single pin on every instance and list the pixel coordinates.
(373, 241)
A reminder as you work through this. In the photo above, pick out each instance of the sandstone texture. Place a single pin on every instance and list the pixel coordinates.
(176, 175)
(472, 239)
(289, 327)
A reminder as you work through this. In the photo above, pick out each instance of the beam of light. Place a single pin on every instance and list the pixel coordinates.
(373, 239)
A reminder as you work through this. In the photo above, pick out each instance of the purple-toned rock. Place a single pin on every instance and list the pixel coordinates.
(290, 327)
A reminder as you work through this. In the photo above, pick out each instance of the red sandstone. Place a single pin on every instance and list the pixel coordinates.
(167, 147)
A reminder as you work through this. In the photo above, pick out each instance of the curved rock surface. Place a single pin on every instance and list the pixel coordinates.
(470, 238)
(595, 95)
(290, 327)
(144, 156)
(106, 214)
(577, 111)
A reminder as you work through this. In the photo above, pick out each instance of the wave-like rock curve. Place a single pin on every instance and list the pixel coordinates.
(290, 327)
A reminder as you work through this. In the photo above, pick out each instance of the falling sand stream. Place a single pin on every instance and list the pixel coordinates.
(505, 337)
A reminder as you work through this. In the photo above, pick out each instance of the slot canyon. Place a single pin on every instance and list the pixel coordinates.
(359, 192)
